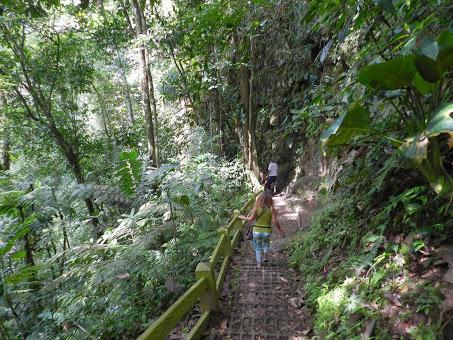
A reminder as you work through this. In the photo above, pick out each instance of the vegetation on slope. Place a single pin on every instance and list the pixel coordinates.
(376, 235)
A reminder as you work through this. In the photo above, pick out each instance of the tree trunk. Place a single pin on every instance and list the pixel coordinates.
(74, 162)
(127, 94)
(9, 302)
(253, 158)
(140, 30)
(30, 262)
(154, 113)
(104, 116)
(5, 159)
(214, 98)
(245, 93)
(73, 159)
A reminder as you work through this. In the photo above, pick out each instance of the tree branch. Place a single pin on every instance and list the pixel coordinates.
(52, 86)
(26, 106)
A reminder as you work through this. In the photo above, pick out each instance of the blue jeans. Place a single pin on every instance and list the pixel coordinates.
(261, 243)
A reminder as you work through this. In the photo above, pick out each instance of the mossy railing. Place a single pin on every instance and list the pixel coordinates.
(206, 289)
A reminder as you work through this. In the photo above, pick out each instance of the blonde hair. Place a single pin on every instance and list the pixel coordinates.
(265, 199)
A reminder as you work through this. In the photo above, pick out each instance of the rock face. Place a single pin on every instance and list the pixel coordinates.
(446, 252)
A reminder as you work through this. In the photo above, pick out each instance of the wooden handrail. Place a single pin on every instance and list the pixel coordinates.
(167, 321)
(207, 287)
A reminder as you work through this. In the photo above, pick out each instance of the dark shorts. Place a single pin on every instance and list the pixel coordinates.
(272, 179)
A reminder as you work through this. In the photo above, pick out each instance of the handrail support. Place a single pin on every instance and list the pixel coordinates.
(209, 300)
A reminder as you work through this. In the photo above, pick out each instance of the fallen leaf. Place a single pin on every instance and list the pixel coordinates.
(302, 294)
(404, 289)
(393, 299)
(294, 302)
(283, 279)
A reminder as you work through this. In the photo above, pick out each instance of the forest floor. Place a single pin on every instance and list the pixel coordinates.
(268, 302)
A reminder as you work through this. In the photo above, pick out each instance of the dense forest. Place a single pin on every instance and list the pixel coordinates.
(131, 129)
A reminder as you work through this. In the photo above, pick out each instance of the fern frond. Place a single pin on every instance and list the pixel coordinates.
(130, 171)
(101, 194)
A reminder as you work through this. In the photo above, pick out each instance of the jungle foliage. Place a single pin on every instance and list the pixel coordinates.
(95, 239)
(379, 224)
(128, 129)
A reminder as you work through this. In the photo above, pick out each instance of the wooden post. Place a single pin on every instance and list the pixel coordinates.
(233, 225)
(209, 300)
(239, 223)
(227, 250)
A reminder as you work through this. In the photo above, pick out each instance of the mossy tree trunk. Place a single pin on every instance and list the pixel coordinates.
(5, 160)
(147, 88)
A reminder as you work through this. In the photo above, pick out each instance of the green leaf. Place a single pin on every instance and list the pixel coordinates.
(19, 255)
(354, 122)
(183, 200)
(429, 69)
(12, 241)
(441, 122)
(24, 274)
(429, 48)
(445, 43)
(130, 171)
(376, 278)
(416, 148)
(435, 57)
(394, 74)
(386, 5)
(408, 46)
(422, 85)
(412, 208)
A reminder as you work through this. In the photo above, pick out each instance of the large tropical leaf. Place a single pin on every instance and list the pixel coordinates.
(386, 5)
(442, 121)
(416, 147)
(428, 68)
(394, 74)
(354, 122)
(422, 85)
(445, 44)
(435, 56)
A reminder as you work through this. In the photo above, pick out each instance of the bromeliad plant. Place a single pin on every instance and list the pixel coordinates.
(418, 83)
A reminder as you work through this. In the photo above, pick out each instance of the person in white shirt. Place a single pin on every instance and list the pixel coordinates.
(272, 175)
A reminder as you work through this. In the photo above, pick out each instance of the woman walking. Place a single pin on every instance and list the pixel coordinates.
(266, 216)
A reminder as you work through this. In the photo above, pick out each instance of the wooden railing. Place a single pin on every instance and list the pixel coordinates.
(207, 288)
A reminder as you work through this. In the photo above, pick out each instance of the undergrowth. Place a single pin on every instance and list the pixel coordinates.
(368, 253)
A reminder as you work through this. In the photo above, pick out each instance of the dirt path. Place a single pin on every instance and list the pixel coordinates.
(266, 303)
